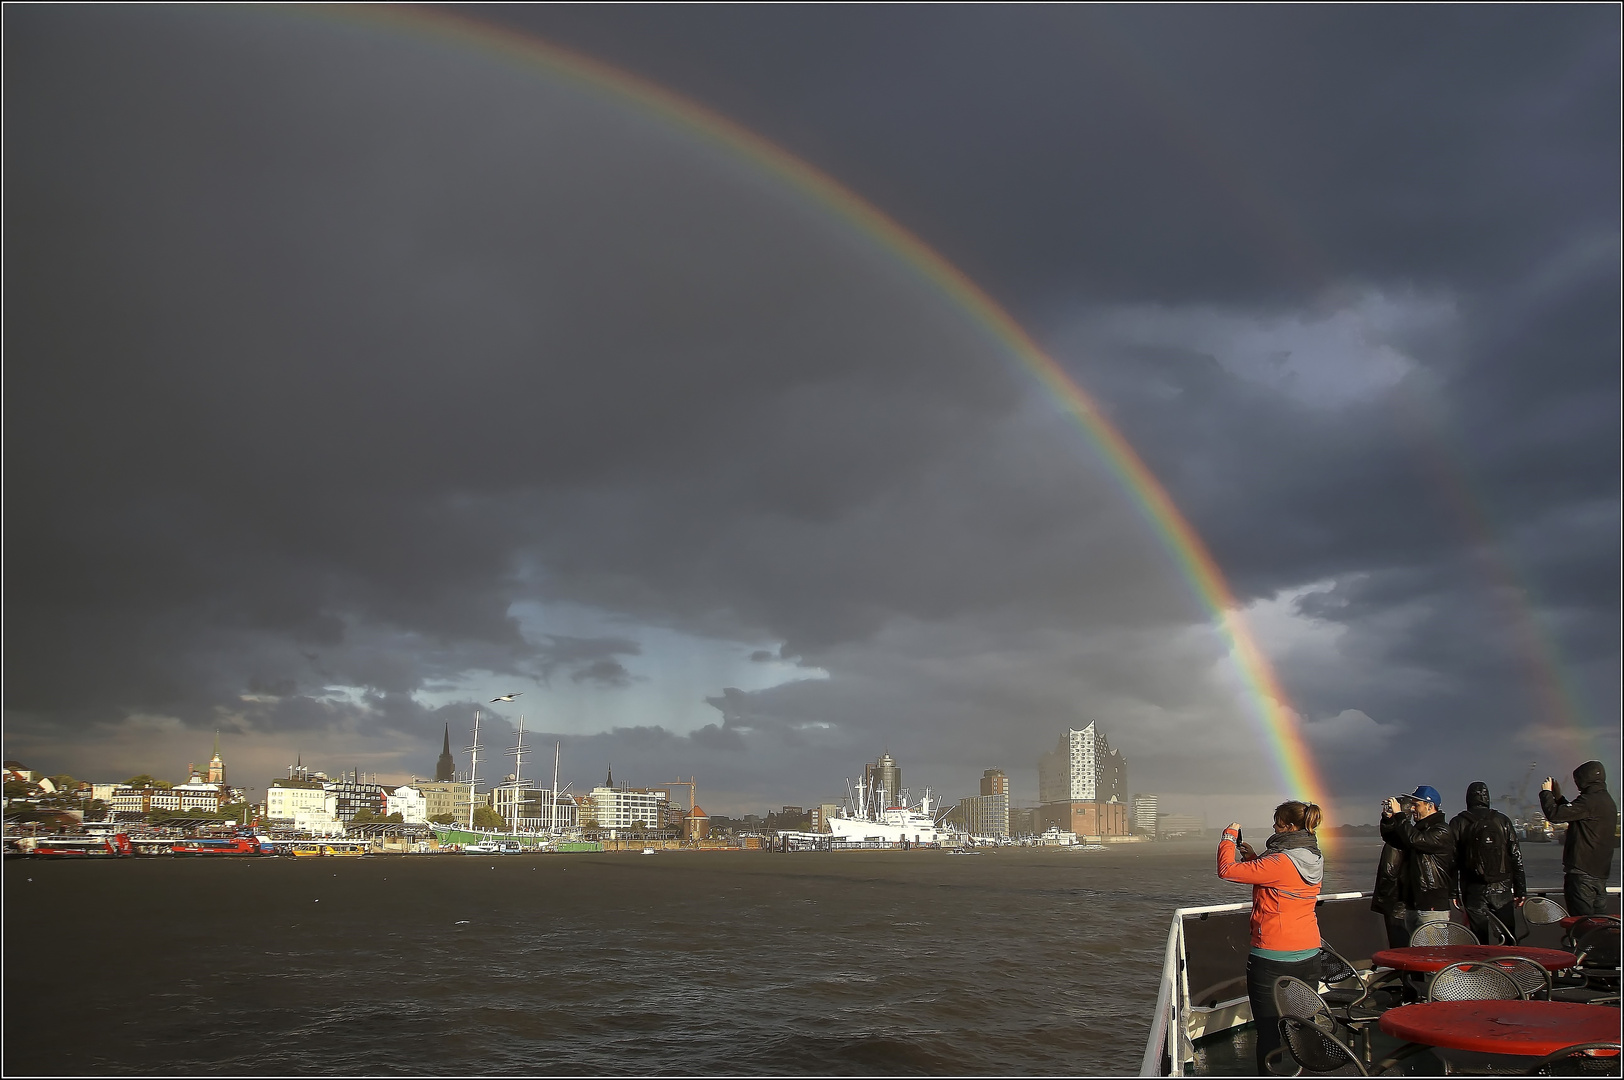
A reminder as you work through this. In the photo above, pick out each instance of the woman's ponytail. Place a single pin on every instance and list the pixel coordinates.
(1298, 815)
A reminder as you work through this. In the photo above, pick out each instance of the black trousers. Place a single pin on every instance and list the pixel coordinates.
(1483, 899)
(1583, 893)
(1261, 973)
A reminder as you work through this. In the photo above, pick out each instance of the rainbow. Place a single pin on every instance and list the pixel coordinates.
(1276, 719)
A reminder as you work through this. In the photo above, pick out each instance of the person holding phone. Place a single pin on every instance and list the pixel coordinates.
(1422, 833)
(1587, 853)
(1285, 882)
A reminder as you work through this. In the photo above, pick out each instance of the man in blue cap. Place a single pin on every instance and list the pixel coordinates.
(1421, 831)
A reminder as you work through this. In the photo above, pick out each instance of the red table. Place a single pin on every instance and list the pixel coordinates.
(1520, 1028)
(1438, 957)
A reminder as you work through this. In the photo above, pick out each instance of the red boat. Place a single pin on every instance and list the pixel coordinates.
(236, 846)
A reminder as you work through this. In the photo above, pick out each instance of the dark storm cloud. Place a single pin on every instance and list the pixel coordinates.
(326, 346)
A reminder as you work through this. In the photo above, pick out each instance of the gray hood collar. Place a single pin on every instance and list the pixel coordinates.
(1310, 864)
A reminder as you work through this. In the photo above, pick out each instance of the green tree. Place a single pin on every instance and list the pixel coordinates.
(146, 780)
(397, 818)
(363, 817)
(19, 789)
(443, 819)
(96, 810)
(63, 782)
(486, 818)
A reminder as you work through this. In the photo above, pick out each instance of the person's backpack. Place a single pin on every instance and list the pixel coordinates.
(1485, 847)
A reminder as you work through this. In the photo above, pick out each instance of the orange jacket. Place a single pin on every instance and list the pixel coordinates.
(1282, 902)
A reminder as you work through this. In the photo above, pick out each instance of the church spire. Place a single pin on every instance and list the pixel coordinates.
(446, 767)
(610, 782)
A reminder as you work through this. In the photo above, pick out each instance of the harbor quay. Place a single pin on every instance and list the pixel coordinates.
(310, 813)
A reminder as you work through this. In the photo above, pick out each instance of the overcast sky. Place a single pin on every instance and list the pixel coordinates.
(356, 376)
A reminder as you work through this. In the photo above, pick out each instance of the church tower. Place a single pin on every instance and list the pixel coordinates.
(217, 767)
(446, 767)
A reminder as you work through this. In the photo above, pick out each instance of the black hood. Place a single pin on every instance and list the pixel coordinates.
(1592, 774)
(1477, 794)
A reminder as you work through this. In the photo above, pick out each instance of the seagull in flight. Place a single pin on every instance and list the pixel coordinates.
(505, 697)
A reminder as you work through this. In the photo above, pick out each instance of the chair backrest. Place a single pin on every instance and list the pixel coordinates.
(1541, 910)
(1580, 1059)
(1293, 997)
(1473, 982)
(1531, 978)
(1316, 1050)
(1334, 967)
(1598, 948)
(1443, 933)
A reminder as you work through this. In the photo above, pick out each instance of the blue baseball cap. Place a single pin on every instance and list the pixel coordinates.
(1425, 794)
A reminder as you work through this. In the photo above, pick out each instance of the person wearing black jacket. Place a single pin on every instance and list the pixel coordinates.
(1587, 854)
(1387, 897)
(1492, 879)
(1429, 855)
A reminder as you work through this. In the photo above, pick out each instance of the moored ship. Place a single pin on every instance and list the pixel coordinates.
(252, 846)
(74, 847)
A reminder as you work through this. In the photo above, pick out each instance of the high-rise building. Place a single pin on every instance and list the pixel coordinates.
(446, 768)
(1144, 814)
(1082, 768)
(883, 775)
(994, 782)
(985, 815)
(1083, 785)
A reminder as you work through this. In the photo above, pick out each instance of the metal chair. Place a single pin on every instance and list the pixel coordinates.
(1578, 1060)
(1318, 1052)
(1473, 982)
(1443, 933)
(1531, 978)
(1542, 910)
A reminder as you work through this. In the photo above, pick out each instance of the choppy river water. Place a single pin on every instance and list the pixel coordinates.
(1019, 961)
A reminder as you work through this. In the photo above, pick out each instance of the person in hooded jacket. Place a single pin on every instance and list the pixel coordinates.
(1285, 884)
(1492, 882)
(1387, 897)
(1422, 833)
(1587, 854)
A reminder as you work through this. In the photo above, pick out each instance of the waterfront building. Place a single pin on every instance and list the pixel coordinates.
(1082, 785)
(617, 809)
(1144, 814)
(356, 795)
(1086, 818)
(409, 803)
(446, 768)
(821, 814)
(305, 804)
(454, 797)
(1170, 825)
(995, 782)
(985, 815)
(1023, 821)
(696, 824)
(198, 794)
(883, 774)
(1082, 768)
(127, 800)
(103, 792)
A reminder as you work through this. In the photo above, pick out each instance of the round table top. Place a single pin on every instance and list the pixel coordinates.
(1570, 921)
(1437, 957)
(1522, 1028)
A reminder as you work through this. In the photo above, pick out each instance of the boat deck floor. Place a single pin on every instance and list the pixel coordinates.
(1233, 1053)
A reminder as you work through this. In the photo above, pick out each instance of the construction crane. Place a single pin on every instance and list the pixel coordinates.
(1521, 809)
(691, 786)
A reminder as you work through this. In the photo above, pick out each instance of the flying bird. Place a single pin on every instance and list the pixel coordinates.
(505, 697)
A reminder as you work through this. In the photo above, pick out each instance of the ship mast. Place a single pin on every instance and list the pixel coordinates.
(473, 750)
(552, 796)
(518, 777)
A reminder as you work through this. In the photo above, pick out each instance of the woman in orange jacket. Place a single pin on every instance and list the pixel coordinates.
(1285, 882)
